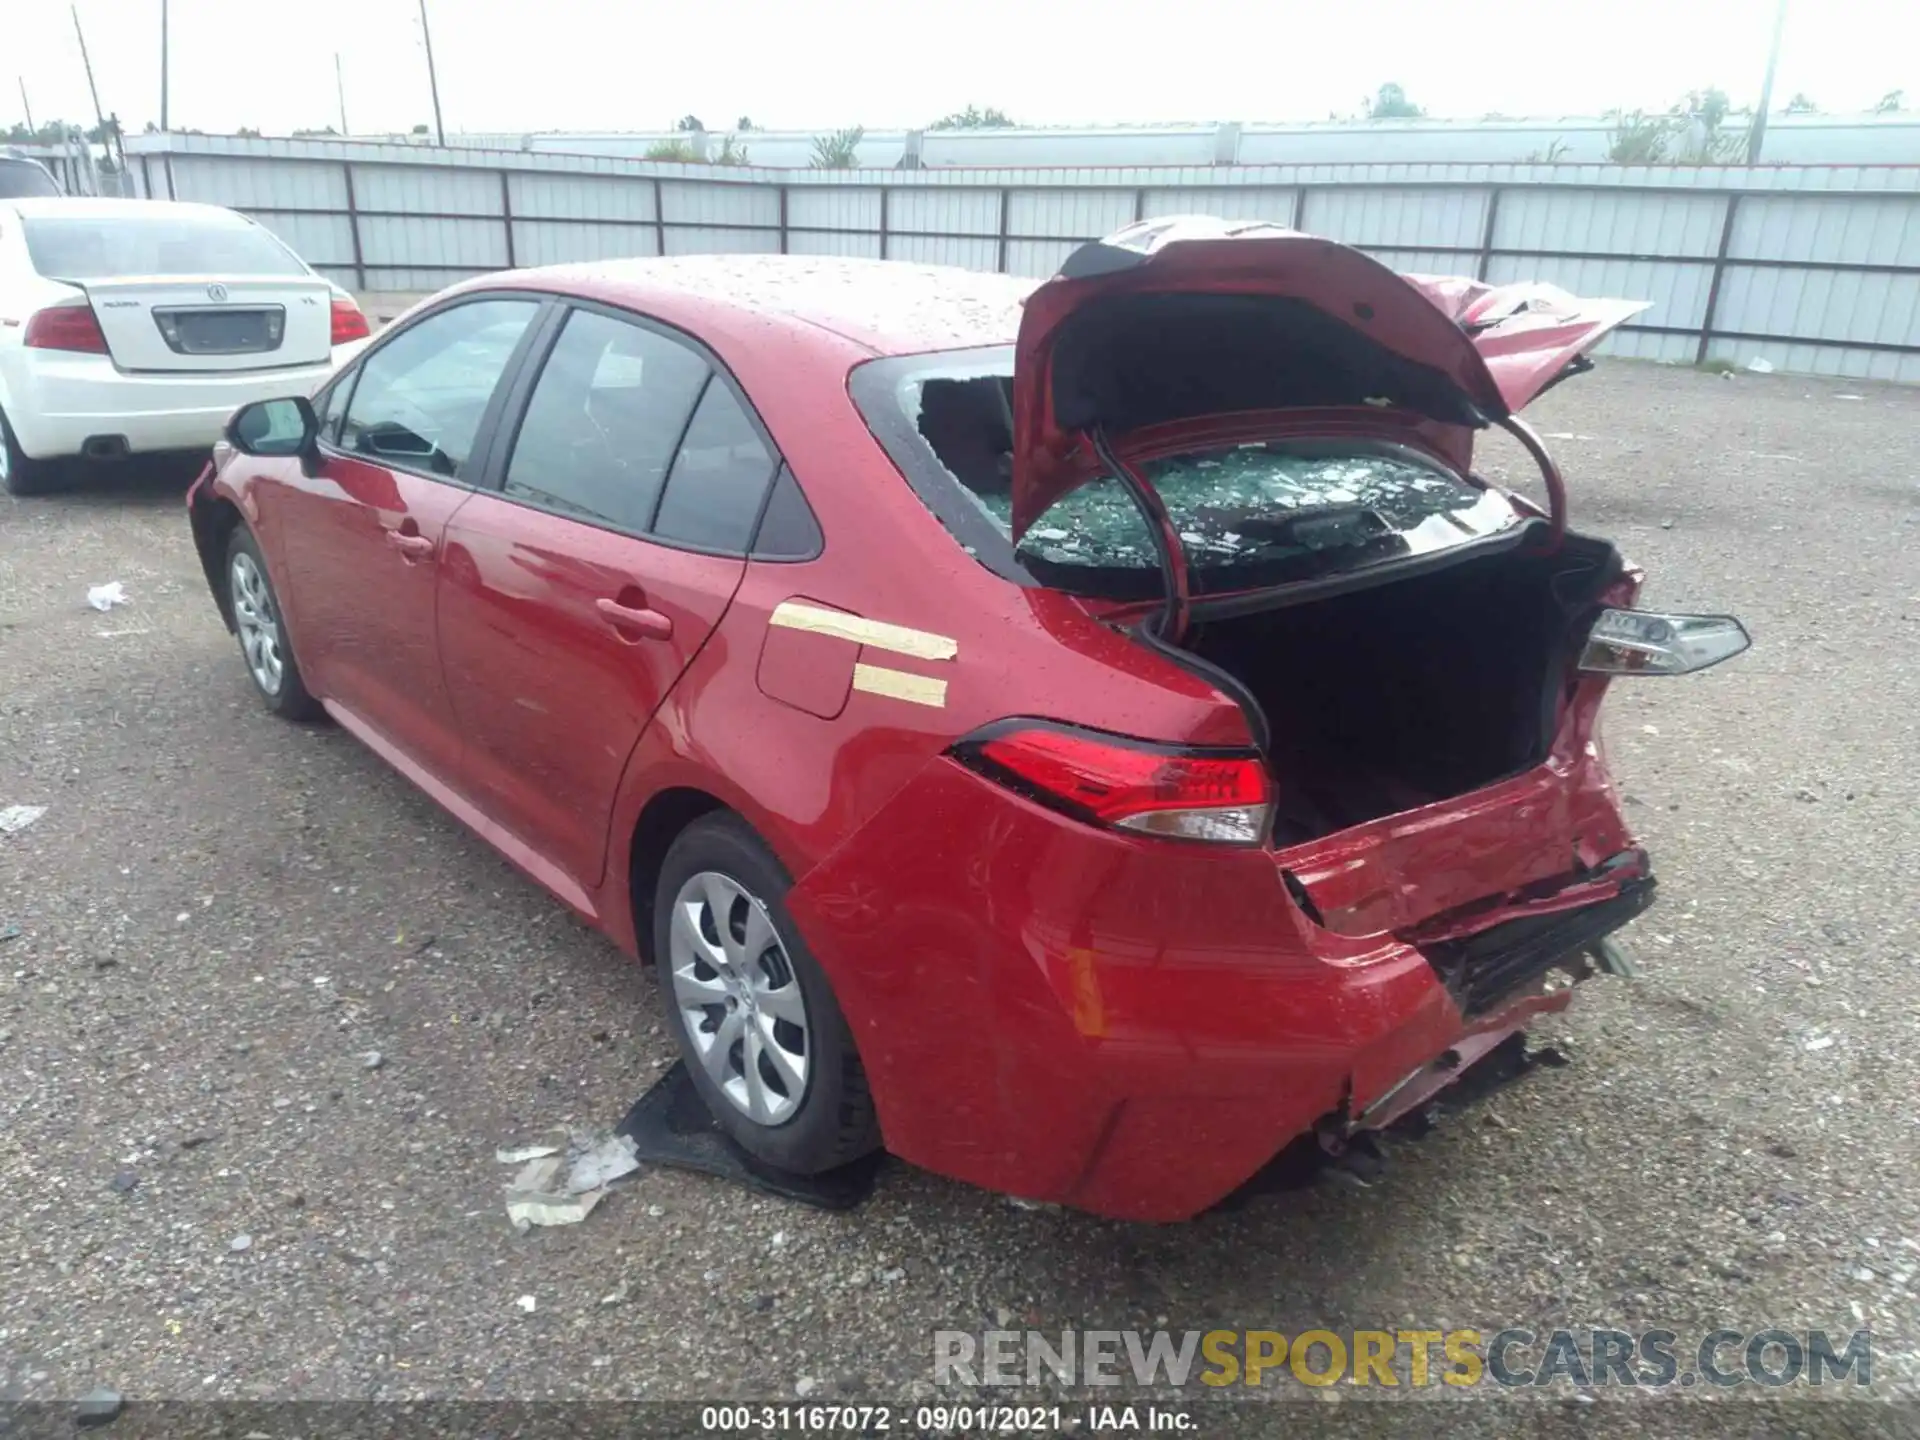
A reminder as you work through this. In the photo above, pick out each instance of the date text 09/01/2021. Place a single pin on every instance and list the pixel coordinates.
(941, 1419)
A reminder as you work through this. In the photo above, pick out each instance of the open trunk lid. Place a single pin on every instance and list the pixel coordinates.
(208, 324)
(1185, 318)
(1529, 335)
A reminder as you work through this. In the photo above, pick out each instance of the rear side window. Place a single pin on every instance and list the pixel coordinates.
(719, 477)
(97, 247)
(605, 418)
(421, 396)
(24, 179)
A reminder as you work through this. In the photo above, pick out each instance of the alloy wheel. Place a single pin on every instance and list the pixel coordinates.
(258, 623)
(740, 1002)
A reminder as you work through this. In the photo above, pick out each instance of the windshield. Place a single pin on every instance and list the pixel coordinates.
(100, 248)
(1249, 515)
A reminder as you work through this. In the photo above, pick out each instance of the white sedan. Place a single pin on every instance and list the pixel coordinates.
(138, 326)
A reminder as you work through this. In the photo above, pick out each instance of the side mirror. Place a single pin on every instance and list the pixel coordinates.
(275, 428)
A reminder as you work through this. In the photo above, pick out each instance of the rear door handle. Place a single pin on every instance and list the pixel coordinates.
(413, 547)
(633, 625)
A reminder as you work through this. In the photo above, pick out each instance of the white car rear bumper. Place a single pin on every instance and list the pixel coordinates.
(57, 401)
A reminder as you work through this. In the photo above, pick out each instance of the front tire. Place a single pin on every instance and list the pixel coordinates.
(262, 633)
(20, 474)
(756, 1020)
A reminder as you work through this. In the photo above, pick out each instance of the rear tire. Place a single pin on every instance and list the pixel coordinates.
(757, 1023)
(21, 475)
(262, 633)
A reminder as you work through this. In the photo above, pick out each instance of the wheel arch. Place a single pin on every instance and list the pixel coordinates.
(214, 518)
(662, 820)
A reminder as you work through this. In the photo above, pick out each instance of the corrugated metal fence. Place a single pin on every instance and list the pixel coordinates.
(1814, 269)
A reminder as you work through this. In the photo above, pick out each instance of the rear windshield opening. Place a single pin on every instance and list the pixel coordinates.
(1249, 515)
(102, 248)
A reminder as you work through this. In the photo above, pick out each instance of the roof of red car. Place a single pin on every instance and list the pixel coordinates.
(885, 306)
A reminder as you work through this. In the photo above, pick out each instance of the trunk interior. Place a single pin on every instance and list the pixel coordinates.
(1389, 698)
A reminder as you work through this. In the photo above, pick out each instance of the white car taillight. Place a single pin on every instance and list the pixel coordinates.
(1640, 642)
(68, 325)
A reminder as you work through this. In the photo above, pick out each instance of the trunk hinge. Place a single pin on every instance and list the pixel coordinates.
(1171, 623)
(1550, 472)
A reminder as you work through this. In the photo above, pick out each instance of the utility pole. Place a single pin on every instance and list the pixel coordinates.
(98, 114)
(26, 105)
(340, 89)
(1757, 135)
(163, 65)
(433, 80)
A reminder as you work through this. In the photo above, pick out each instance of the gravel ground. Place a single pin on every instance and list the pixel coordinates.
(210, 1193)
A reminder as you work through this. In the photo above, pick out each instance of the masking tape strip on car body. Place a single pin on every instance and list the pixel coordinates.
(900, 685)
(920, 644)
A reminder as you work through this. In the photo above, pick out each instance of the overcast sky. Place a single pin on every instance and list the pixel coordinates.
(516, 65)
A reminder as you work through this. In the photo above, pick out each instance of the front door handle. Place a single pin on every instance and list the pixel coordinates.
(411, 547)
(633, 625)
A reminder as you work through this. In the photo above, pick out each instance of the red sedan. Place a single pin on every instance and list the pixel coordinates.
(1081, 738)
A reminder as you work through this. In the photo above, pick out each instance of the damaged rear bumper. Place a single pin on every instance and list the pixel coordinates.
(1483, 970)
(1134, 1028)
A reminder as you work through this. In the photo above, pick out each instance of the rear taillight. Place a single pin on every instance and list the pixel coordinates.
(348, 322)
(1639, 642)
(68, 326)
(1177, 792)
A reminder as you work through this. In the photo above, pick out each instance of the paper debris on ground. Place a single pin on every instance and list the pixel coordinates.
(557, 1186)
(529, 1210)
(1759, 366)
(524, 1153)
(105, 597)
(15, 818)
(537, 1176)
(601, 1165)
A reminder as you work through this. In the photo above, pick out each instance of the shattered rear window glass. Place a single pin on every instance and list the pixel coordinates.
(1249, 516)
(1253, 503)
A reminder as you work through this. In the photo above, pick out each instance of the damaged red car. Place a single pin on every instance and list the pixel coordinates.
(1081, 737)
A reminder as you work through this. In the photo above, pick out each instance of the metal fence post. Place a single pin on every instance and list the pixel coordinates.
(659, 220)
(506, 218)
(353, 230)
(783, 219)
(1486, 234)
(1713, 285)
(1006, 204)
(886, 194)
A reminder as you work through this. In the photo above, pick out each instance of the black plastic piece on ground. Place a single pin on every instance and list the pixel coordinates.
(670, 1125)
